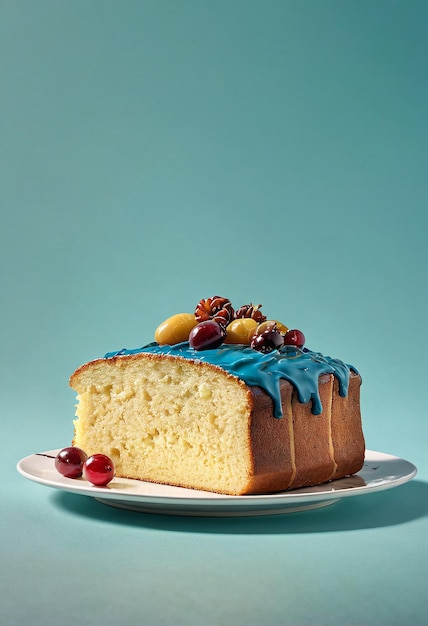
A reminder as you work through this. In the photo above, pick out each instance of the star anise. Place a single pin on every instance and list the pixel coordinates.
(252, 311)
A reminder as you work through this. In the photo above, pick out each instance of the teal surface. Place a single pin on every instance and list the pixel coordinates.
(153, 153)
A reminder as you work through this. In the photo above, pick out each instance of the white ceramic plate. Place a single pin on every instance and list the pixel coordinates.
(381, 471)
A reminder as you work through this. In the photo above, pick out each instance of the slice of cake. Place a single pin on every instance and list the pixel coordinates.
(211, 407)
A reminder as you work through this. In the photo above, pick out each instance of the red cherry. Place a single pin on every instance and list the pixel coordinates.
(69, 462)
(294, 338)
(206, 335)
(98, 469)
(269, 340)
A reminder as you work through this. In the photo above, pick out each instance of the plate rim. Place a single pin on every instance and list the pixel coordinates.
(191, 500)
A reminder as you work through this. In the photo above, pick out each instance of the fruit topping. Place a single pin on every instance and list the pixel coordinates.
(251, 311)
(217, 308)
(98, 469)
(294, 337)
(69, 462)
(267, 341)
(207, 335)
(216, 321)
(241, 330)
(175, 329)
(271, 324)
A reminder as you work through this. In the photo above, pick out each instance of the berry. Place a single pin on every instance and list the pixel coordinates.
(294, 338)
(69, 462)
(206, 335)
(98, 469)
(267, 341)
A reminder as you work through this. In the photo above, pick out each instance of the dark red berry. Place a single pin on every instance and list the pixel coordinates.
(69, 462)
(206, 335)
(269, 340)
(294, 338)
(98, 469)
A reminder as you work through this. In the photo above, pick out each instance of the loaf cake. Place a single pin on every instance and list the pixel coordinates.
(235, 416)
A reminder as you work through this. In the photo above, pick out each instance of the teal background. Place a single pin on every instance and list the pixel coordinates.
(153, 153)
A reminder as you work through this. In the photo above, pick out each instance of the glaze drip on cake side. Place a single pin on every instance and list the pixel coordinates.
(302, 368)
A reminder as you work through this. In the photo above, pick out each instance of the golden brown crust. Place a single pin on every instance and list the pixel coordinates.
(280, 463)
(326, 446)
(346, 428)
(314, 460)
(270, 442)
(122, 360)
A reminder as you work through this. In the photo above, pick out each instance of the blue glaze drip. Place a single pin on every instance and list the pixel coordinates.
(302, 368)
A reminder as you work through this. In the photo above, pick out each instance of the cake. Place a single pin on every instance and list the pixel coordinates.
(209, 407)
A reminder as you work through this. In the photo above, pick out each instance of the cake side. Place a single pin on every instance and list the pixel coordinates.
(314, 452)
(347, 431)
(271, 443)
(295, 450)
(302, 449)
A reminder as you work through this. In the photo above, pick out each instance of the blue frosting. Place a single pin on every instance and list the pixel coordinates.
(302, 368)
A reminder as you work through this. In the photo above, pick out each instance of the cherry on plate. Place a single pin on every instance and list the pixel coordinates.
(69, 462)
(98, 469)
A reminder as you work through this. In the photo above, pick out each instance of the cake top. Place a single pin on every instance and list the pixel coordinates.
(244, 343)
